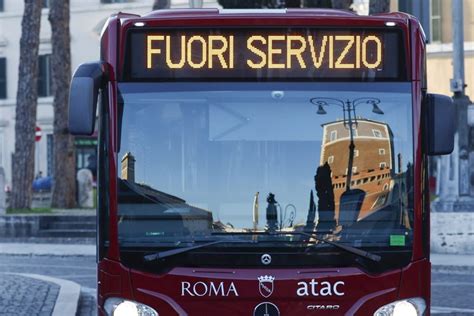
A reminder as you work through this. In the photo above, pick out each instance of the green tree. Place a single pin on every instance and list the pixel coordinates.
(341, 4)
(317, 4)
(161, 4)
(64, 189)
(379, 6)
(242, 4)
(23, 167)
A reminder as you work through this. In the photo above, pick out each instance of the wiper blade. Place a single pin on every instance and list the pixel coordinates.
(177, 251)
(354, 250)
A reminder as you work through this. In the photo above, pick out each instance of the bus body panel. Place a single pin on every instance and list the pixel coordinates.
(163, 292)
(420, 206)
(366, 293)
(415, 281)
(109, 45)
(294, 290)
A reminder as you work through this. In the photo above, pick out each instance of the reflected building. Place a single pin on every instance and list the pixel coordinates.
(128, 167)
(373, 165)
(144, 210)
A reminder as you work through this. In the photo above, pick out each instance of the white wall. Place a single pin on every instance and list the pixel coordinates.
(87, 19)
(452, 232)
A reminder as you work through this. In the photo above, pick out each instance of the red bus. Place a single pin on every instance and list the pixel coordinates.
(262, 162)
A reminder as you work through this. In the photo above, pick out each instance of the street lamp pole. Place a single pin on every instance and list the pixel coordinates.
(461, 102)
(350, 163)
(350, 121)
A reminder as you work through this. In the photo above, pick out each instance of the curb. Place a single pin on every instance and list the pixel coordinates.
(49, 240)
(450, 310)
(452, 263)
(68, 296)
(449, 269)
(47, 249)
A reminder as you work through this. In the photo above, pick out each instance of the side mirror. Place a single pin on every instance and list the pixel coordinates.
(86, 82)
(441, 124)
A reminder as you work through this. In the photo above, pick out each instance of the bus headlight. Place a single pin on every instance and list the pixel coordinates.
(409, 307)
(115, 306)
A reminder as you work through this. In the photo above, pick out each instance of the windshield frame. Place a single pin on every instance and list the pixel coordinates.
(405, 87)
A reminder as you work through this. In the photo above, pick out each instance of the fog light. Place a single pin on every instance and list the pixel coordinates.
(409, 307)
(115, 306)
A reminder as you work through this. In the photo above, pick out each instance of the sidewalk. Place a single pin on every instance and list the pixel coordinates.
(452, 264)
(31, 294)
(452, 260)
(47, 249)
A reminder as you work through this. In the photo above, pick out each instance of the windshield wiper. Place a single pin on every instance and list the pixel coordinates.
(177, 251)
(354, 250)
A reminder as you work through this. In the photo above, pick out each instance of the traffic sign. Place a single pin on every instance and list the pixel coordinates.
(38, 134)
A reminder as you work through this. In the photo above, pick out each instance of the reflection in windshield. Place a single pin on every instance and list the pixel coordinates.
(197, 163)
(366, 184)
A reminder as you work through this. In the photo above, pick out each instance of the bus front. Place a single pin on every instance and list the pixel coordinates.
(261, 163)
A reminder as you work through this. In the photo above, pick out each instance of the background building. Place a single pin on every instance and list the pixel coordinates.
(373, 165)
(440, 48)
(87, 19)
(436, 18)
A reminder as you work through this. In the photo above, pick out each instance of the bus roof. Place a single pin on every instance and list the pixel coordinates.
(213, 13)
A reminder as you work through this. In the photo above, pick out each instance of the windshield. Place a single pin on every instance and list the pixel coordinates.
(264, 162)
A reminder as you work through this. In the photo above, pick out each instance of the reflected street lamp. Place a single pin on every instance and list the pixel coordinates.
(349, 119)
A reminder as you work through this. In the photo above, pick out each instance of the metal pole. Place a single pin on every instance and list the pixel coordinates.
(458, 47)
(351, 147)
(465, 158)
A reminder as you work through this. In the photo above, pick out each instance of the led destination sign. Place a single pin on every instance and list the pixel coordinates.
(264, 54)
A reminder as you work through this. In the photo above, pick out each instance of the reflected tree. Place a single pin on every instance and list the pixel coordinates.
(311, 214)
(326, 205)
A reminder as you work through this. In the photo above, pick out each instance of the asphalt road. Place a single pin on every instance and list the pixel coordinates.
(452, 290)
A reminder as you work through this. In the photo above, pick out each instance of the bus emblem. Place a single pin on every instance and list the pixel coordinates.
(265, 285)
(266, 259)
